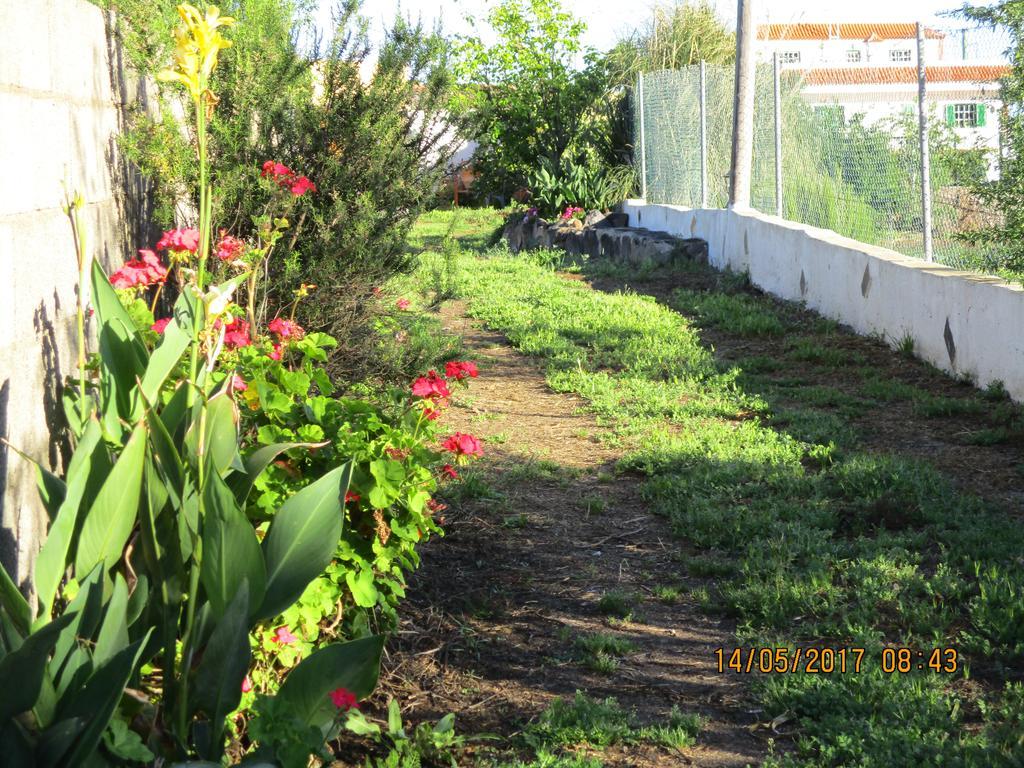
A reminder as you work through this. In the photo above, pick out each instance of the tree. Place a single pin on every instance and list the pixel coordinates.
(525, 96)
(1007, 193)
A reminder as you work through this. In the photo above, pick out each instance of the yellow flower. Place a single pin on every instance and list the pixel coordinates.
(197, 43)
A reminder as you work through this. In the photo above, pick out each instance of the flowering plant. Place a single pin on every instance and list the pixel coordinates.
(572, 212)
(153, 573)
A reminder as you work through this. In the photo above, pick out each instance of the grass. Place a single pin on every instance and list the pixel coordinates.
(812, 540)
(617, 604)
(602, 652)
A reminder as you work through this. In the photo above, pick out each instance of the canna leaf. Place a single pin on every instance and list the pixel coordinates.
(231, 551)
(21, 671)
(354, 666)
(52, 560)
(112, 515)
(302, 539)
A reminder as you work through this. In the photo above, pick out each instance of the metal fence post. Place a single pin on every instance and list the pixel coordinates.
(922, 114)
(778, 135)
(703, 135)
(643, 148)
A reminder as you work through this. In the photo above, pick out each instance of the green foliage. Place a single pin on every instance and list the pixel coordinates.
(555, 188)
(524, 94)
(814, 546)
(375, 166)
(427, 744)
(675, 36)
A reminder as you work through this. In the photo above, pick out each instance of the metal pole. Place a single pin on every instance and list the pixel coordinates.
(703, 135)
(743, 108)
(643, 149)
(778, 135)
(922, 122)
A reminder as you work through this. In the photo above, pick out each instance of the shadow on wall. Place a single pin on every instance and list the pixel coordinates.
(59, 451)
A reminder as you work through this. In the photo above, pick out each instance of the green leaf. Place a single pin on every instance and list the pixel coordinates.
(174, 341)
(353, 666)
(231, 551)
(302, 539)
(360, 583)
(51, 488)
(112, 515)
(220, 429)
(98, 699)
(113, 634)
(52, 560)
(125, 743)
(21, 671)
(87, 608)
(226, 657)
(14, 603)
(109, 308)
(241, 482)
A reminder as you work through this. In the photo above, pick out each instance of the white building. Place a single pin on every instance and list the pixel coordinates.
(871, 70)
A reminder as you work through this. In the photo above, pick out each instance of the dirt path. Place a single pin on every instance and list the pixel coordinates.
(539, 534)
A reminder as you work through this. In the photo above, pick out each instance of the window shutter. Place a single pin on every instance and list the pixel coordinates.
(980, 122)
(950, 118)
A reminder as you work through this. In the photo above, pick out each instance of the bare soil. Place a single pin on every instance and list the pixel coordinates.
(488, 629)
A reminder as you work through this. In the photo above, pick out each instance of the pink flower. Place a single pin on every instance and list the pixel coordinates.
(246, 684)
(436, 506)
(237, 383)
(432, 387)
(285, 329)
(179, 240)
(402, 304)
(343, 699)
(160, 324)
(462, 444)
(283, 636)
(301, 185)
(139, 273)
(275, 353)
(458, 371)
(276, 171)
(236, 333)
(449, 471)
(229, 248)
(430, 414)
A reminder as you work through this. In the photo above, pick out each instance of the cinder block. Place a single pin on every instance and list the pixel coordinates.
(25, 34)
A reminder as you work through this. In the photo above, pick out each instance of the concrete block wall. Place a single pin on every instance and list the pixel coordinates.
(63, 91)
(964, 323)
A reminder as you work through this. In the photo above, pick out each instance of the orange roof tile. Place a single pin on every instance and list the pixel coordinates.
(864, 31)
(957, 73)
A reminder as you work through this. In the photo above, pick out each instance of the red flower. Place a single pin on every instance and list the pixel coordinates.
(246, 684)
(462, 444)
(179, 240)
(432, 387)
(301, 185)
(430, 414)
(377, 290)
(139, 273)
(449, 471)
(283, 636)
(343, 699)
(436, 506)
(458, 371)
(237, 383)
(275, 353)
(351, 498)
(396, 454)
(229, 248)
(276, 171)
(402, 304)
(236, 333)
(285, 329)
(160, 324)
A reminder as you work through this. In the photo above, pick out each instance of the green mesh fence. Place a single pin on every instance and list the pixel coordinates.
(851, 159)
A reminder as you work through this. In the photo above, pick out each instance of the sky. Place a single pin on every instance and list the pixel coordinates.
(608, 20)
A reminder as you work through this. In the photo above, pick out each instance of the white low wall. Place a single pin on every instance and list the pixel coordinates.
(966, 324)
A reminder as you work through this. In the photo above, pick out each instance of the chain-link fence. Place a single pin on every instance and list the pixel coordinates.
(849, 132)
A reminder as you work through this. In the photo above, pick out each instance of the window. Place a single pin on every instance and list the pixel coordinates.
(965, 115)
(900, 54)
(789, 57)
(853, 56)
